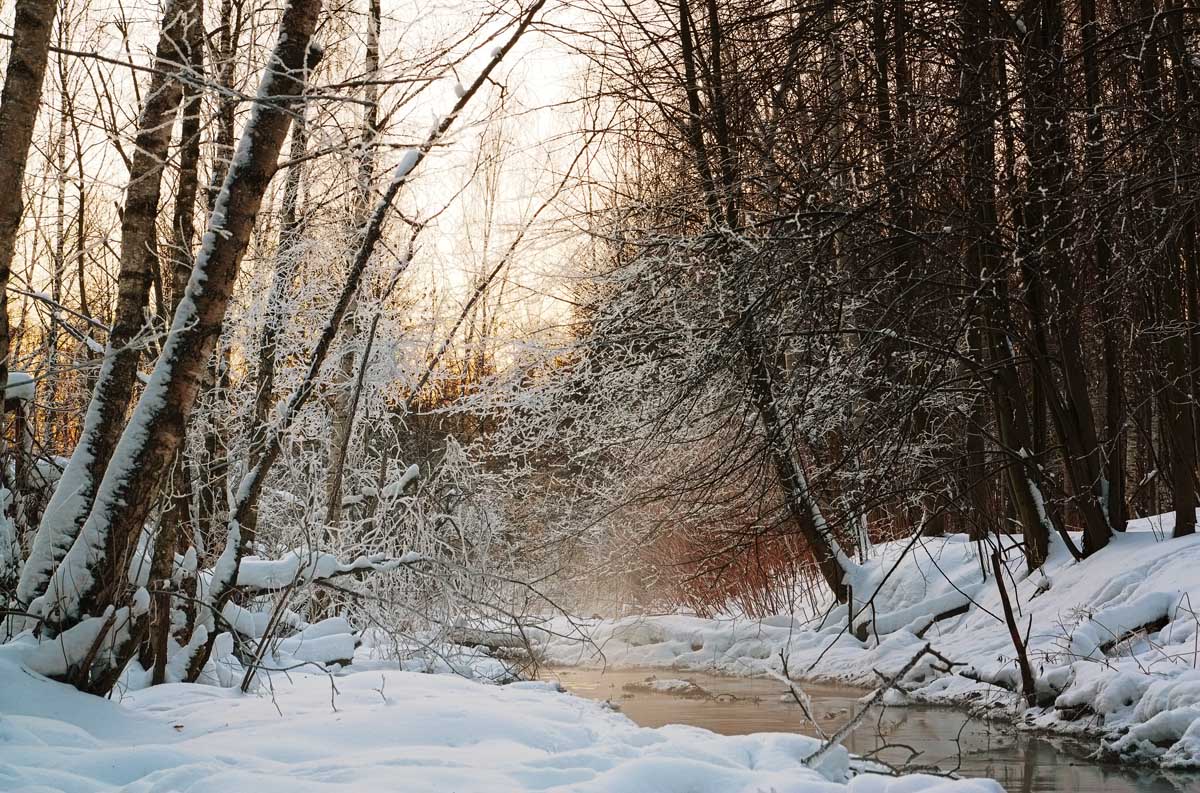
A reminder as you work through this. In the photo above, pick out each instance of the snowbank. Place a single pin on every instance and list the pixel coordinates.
(389, 731)
(1113, 640)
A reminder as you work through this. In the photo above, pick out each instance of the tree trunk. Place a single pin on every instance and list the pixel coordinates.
(340, 411)
(69, 506)
(1173, 337)
(986, 268)
(802, 505)
(285, 265)
(1114, 420)
(89, 579)
(1049, 265)
(19, 101)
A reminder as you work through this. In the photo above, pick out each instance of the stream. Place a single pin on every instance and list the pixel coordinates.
(1020, 762)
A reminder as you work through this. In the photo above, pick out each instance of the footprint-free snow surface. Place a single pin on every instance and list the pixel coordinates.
(388, 731)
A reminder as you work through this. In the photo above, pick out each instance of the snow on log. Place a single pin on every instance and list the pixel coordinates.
(266, 575)
(917, 618)
(73, 651)
(19, 388)
(253, 624)
(1108, 626)
(492, 640)
(333, 649)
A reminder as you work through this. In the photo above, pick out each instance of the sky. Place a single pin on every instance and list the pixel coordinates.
(537, 124)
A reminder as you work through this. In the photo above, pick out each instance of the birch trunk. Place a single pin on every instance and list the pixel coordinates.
(87, 580)
(114, 388)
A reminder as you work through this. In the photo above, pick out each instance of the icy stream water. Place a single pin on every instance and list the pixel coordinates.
(946, 738)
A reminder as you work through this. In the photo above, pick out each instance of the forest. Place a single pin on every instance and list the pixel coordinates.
(452, 354)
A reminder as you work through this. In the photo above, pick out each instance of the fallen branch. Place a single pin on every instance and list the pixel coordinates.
(799, 696)
(491, 640)
(857, 719)
(1153, 626)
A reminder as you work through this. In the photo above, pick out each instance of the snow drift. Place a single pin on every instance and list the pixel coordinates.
(388, 730)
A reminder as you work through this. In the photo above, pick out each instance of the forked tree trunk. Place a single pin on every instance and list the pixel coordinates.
(88, 579)
(114, 388)
(986, 268)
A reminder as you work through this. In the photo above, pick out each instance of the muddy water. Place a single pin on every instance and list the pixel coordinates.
(944, 737)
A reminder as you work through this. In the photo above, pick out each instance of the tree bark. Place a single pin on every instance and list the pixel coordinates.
(340, 410)
(285, 252)
(1173, 337)
(987, 269)
(114, 388)
(88, 579)
(1048, 263)
(19, 101)
(1114, 419)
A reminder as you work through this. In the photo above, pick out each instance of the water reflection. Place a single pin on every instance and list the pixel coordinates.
(943, 737)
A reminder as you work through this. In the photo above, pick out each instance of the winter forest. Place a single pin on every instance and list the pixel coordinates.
(613, 396)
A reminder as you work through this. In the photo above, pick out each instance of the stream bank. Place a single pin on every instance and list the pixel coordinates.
(946, 738)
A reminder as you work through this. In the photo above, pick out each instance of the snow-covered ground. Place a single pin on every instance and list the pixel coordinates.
(381, 729)
(1140, 695)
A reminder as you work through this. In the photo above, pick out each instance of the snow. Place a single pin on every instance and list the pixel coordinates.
(407, 162)
(141, 601)
(1137, 697)
(20, 386)
(10, 548)
(674, 686)
(66, 510)
(397, 488)
(390, 730)
(55, 657)
(300, 565)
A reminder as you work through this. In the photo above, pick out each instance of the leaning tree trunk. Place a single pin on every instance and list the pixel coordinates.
(801, 504)
(69, 506)
(89, 580)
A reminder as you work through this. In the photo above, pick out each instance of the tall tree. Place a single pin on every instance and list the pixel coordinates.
(20, 99)
(90, 579)
(114, 387)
